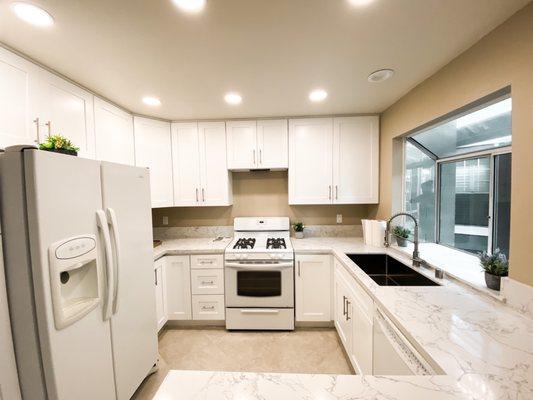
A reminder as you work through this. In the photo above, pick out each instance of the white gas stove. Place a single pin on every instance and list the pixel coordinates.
(259, 275)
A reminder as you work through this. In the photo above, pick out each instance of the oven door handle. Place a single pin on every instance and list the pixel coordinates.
(260, 266)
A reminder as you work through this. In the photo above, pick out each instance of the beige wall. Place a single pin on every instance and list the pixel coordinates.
(259, 194)
(503, 57)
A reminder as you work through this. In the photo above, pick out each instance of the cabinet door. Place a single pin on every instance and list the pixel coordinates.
(362, 332)
(310, 161)
(17, 78)
(215, 180)
(342, 321)
(66, 109)
(356, 160)
(273, 144)
(160, 306)
(186, 164)
(178, 287)
(153, 150)
(242, 144)
(114, 133)
(313, 288)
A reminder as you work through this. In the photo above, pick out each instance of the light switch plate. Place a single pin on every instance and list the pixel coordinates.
(165, 220)
(339, 218)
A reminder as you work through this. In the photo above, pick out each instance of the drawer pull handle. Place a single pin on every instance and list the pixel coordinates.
(206, 262)
(207, 282)
(208, 307)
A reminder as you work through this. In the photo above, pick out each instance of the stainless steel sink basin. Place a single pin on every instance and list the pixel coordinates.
(387, 271)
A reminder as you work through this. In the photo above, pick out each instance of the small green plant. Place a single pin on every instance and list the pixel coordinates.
(495, 263)
(298, 226)
(58, 142)
(401, 232)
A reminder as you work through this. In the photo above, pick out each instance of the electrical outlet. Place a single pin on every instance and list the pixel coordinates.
(165, 220)
(339, 218)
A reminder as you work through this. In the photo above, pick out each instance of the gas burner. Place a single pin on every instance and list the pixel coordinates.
(245, 243)
(276, 243)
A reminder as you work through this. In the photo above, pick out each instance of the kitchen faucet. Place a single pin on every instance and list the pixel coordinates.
(417, 261)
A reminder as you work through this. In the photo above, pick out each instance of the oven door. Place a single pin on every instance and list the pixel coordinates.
(259, 284)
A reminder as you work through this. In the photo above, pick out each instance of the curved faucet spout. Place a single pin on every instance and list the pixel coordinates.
(417, 261)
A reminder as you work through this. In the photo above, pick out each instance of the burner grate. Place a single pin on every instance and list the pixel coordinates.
(276, 243)
(245, 243)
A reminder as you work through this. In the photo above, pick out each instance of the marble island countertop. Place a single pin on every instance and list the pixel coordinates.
(484, 347)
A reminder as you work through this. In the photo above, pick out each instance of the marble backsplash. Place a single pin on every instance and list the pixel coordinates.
(166, 233)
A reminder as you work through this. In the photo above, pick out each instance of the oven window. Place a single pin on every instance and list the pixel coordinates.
(259, 283)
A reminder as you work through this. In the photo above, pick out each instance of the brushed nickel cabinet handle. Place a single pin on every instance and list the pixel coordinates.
(260, 156)
(49, 125)
(343, 305)
(348, 310)
(329, 195)
(155, 274)
(196, 194)
(37, 125)
(336, 192)
(203, 194)
(299, 269)
(254, 156)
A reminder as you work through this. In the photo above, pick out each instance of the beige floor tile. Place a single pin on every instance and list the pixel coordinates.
(313, 351)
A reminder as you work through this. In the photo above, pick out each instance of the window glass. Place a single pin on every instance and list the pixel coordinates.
(502, 203)
(485, 128)
(464, 204)
(420, 191)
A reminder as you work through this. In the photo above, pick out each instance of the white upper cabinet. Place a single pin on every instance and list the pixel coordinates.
(114, 133)
(259, 144)
(273, 144)
(201, 176)
(334, 160)
(356, 160)
(186, 164)
(310, 161)
(65, 109)
(153, 150)
(214, 176)
(242, 144)
(17, 95)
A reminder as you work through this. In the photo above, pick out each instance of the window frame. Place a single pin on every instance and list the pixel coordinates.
(500, 95)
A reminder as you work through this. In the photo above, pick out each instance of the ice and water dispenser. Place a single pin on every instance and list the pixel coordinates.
(74, 279)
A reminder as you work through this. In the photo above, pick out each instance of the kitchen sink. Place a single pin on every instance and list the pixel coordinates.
(387, 271)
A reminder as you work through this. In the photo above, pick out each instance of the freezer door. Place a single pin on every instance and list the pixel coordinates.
(126, 200)
(62, 195)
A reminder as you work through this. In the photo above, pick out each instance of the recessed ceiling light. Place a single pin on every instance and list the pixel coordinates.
(318, 95)
(380, 75)
(192, 6)
(32, 14)
(151, 101)
(233, 98)
(360, 3)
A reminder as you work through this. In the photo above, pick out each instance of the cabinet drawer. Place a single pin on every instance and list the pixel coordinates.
(209, 307)
(207, 281)
(207, 261)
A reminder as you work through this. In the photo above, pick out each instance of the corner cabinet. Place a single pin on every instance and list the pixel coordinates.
(313, 287)
(261, 144)
(201, 176)
(334, 160)
(153, 151)
(113, 130)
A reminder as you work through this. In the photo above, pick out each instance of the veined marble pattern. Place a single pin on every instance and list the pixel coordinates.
(203, 385)
(518, 295)
(177, 232)
(191, 246)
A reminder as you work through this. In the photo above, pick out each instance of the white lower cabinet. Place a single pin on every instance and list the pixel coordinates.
(353, 319)
(160, 292)
(207, 281)
(178, 288)
(313, 287)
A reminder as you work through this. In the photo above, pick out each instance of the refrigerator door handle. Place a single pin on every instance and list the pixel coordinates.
(112, 217)
(104, 227)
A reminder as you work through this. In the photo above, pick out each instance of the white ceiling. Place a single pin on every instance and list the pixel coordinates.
(273, 52)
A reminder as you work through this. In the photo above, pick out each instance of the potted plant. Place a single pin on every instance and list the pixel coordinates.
(298, 230)
(495, 266)
(401, 235)
(59, 144)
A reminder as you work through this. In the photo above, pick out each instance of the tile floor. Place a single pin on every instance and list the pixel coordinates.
(317, 351)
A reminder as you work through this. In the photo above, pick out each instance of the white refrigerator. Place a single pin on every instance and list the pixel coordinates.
(77, 238)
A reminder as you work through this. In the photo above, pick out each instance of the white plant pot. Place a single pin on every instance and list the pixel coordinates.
(299, 235)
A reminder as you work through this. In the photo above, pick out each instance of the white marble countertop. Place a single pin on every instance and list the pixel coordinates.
(484, 347)
(191, 246)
